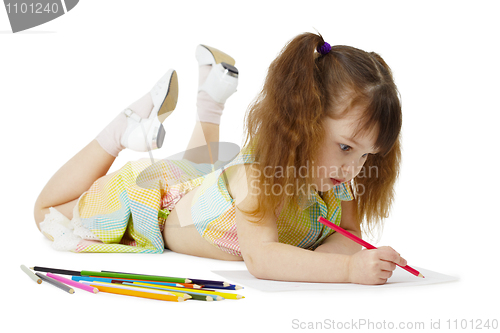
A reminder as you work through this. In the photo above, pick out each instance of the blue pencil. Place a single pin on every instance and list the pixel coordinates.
(230, 287)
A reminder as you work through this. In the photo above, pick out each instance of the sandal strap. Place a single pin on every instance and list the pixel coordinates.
(131, 114)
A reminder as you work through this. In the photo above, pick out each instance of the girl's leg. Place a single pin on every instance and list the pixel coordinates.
(72, 179)
(91, 163)
(204, 135)
(183, 237)
(217, 80)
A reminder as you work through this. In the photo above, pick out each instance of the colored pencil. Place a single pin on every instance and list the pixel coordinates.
(113, 275)
(136, 276)
(55, 270)
(362, 242)
(136, 292)
(56, 283)
(194, 281)
(73, 283)
(192, 292)
(201, 291)
(231, 287)
(31, 274)
(146, 277)
(112, 280)
(185, 285)
(203, 298)
(169, 284)
(138, 288)
(211, 282)
(142, 288)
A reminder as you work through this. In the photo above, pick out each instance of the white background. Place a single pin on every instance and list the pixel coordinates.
(62, 82)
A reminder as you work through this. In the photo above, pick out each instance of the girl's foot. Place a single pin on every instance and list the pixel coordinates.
(139, 127)
(218, 79)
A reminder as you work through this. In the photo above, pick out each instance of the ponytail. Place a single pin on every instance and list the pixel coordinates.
(290, 111)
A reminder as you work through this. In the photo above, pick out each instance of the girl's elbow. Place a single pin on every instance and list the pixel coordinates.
(254, 266)
(257, 272)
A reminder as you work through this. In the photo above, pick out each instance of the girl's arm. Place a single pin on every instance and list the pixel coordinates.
(266, 258)
(338, 243)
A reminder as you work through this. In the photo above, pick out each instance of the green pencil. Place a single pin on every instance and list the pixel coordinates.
(113, 275)
(136, 276)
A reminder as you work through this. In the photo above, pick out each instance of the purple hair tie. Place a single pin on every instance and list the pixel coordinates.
(324, 49)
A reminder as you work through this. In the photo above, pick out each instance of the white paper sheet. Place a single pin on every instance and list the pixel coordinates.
(400, 278)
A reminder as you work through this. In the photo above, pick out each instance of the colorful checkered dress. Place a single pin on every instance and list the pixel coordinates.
(213, 212)
(126, 212)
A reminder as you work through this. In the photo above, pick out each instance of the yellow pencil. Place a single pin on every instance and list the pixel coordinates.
(201, 291)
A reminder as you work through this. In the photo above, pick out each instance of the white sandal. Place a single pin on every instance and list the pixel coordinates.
(223, 77)
(145, 134)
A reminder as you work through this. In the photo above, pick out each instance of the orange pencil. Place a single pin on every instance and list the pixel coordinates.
(141, 294)
(137, 292)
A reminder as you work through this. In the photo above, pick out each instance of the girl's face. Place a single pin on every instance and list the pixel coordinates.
(341, 158)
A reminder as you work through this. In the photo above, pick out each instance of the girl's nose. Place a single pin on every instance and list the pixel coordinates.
(351, 169)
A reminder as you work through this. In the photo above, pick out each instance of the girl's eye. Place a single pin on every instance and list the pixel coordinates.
(345, 147)
(348, 148)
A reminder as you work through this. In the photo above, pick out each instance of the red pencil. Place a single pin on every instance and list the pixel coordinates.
(362, 242)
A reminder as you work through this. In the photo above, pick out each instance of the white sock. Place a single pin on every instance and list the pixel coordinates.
(110, 137)
(209, 111)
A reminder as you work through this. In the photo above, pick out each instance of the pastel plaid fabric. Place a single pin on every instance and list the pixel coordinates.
(213, 213)
(122, 210)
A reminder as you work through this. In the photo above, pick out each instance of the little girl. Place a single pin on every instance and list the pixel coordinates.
(322, 139)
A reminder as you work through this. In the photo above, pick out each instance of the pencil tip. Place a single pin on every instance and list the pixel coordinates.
(420, 275)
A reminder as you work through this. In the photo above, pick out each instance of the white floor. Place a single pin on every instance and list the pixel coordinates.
(62, 82)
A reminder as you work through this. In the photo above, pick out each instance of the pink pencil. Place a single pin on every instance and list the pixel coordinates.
(362, 242)
(73, 283)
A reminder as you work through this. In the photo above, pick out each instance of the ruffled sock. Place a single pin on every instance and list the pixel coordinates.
(208, 110)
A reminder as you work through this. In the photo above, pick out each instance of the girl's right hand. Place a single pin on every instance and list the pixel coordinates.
(374, 266)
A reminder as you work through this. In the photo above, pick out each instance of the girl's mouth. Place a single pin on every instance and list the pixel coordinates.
(336, 181)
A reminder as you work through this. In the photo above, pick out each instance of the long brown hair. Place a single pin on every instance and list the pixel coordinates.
(285, 122)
